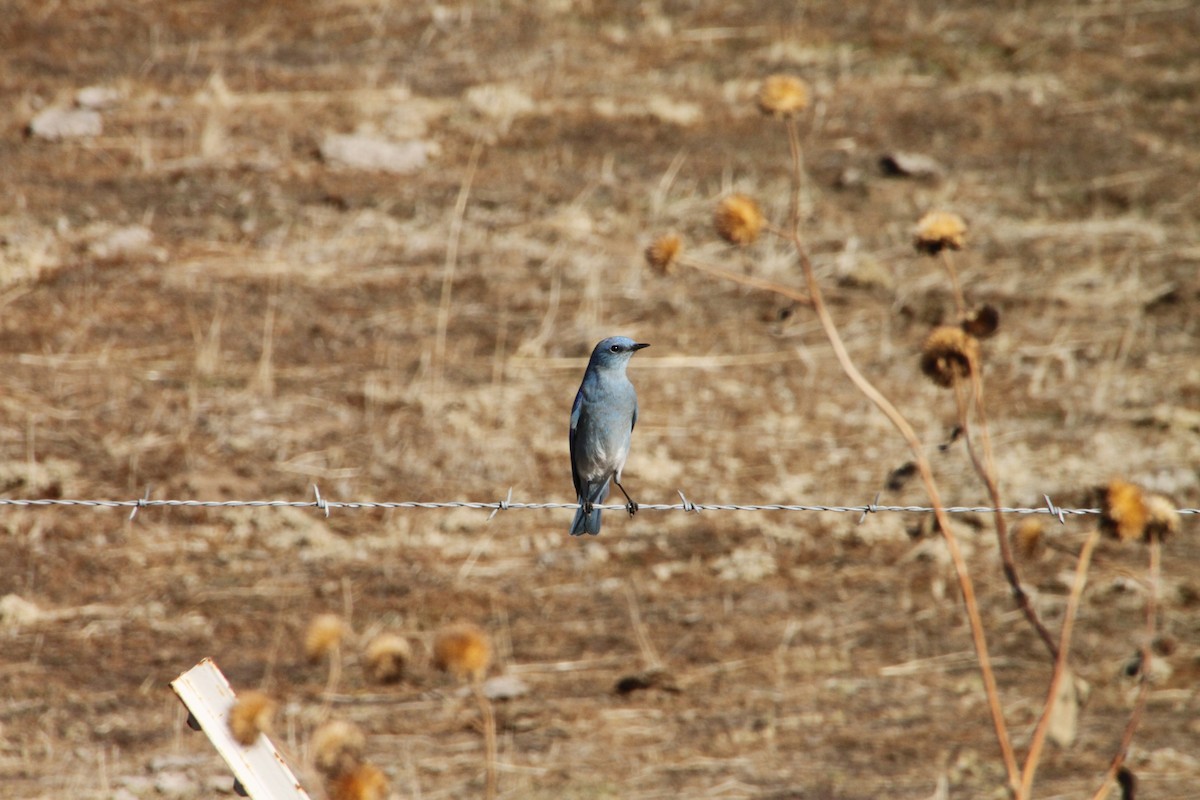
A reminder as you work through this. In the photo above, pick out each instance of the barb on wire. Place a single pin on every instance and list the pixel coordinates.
(141, 503)
(325, 505)
(1054, 510)
(321, 503)
(870, 509)
(503, 505)
(688, 505)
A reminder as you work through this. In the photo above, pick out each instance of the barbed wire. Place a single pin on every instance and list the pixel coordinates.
(325, 505)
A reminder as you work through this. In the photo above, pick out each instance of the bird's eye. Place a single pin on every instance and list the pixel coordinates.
(616, 348)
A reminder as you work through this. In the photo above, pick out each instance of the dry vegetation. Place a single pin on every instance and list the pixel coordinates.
(202, 300)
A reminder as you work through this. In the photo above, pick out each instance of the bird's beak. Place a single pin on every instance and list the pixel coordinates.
(640, 345)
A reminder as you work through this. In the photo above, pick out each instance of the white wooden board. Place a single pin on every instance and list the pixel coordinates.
(259, 768)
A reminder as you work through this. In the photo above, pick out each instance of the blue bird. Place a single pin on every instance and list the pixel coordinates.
(602, 420)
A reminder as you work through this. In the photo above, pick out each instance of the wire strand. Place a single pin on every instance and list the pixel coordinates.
(325, 505)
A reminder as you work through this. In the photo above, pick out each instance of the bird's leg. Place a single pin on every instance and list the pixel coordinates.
(632, 505)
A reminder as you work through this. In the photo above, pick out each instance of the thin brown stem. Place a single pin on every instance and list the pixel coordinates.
(451, 263)
(746, 280)
(332, 681)
(960, 302)
(797, 154)
(1139, 705)
(1060, 664)
(985, 468)
(650, 655)
(966, 585)
(489, 737)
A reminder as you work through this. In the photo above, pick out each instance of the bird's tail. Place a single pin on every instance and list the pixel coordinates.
(589, 523)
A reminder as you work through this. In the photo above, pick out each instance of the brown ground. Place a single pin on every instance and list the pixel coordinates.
(280, 330)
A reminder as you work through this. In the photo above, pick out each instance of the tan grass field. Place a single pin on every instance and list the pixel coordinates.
(200, 300)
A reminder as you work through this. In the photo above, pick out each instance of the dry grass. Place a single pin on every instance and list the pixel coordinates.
(404, 338)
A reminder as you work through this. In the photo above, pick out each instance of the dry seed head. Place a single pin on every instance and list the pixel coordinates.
(938, 231)
(663, 251)
(1162, 518)
(462, 650)
(1165, 645)
(324, 636)
(982, 321)
(363, 782)
(1124, 514)
(1028, 537)
(251, 715)
(949, 354)
(783, 95)
(386, 657)
(738, 219)
(337, 747)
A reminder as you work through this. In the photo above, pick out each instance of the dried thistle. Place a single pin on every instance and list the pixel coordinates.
(250, 716)
(1162, 520)
(949, 354)
(337, 747)
(363, 782)
(982, 322)
(1123, 514)
(463, 650)
(1128, 513)
(324, 636)
(663, 251)
(938, 231)
(386, 657)
(783, 95)
(1027, 536)
(738, 219)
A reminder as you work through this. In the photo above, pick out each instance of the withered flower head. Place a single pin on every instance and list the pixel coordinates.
(324, 636)
(1162, 520)
(363, 782)
(949, 354)
(1123, 514)
(337, 747)
(738, 219)
(250, 715)
(663, 251)
(463, 650)
(1028, 537)
(938, 231)
(386, 657)
(783, 95)
(982, 321)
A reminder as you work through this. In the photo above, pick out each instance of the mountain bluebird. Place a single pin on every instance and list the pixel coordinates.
(602, 420)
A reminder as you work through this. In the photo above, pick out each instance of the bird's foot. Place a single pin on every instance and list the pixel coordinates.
(588, 507)
(630, 506)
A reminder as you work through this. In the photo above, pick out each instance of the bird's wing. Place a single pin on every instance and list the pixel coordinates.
(633, 424)
(576, 410)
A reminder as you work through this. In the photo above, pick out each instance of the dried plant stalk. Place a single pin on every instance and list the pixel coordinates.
(1139, 705)
(1060, 663)
(960, 302)
(489, 737)
(451, 264)
(746, 280)
(966, 585)
(985, 467)
(966, 380)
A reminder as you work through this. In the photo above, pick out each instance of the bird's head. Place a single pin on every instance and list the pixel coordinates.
(615, 351)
